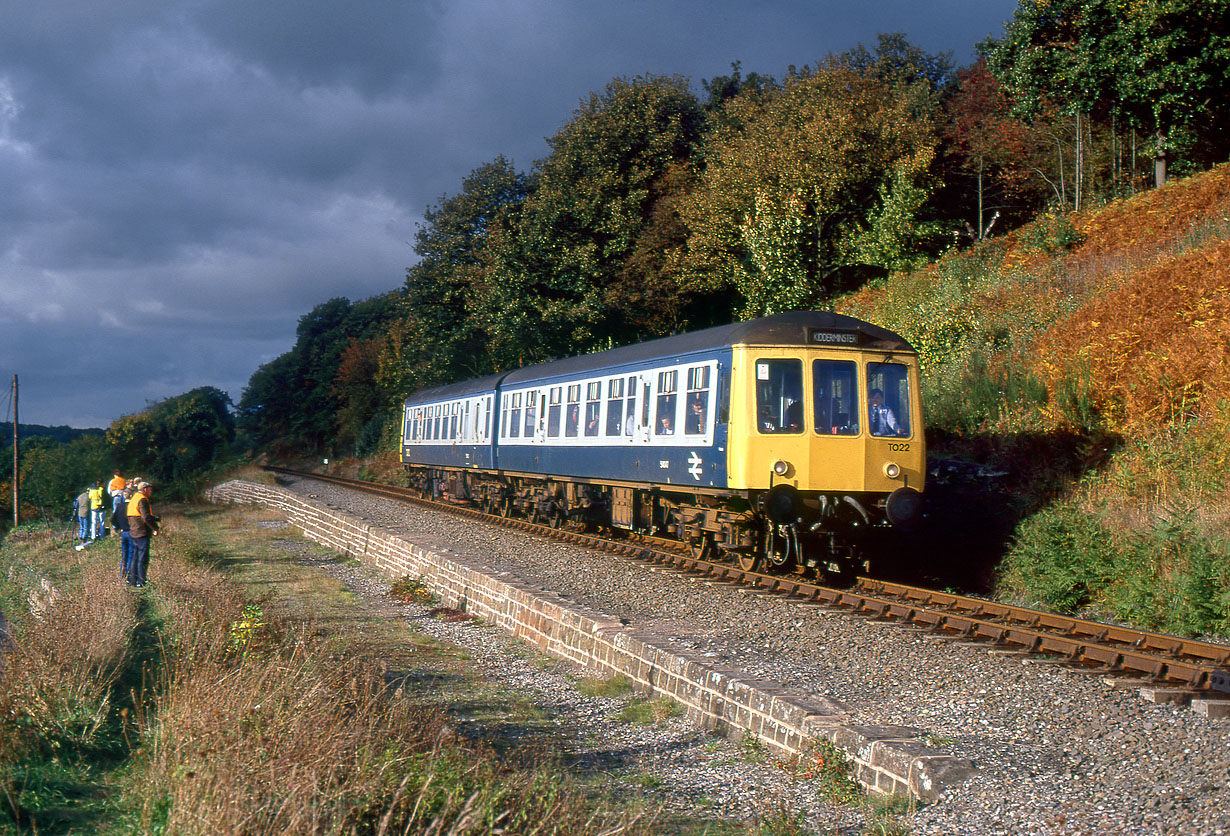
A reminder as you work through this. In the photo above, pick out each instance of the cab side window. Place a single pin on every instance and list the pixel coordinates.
(888, 400)
(779, 396)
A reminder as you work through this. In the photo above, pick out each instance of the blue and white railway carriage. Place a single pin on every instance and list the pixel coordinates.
(449, 429)
(781, 439)
(617, 428)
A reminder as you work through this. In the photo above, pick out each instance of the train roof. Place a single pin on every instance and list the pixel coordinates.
(818, 328)
(477, 386)
(792, 328)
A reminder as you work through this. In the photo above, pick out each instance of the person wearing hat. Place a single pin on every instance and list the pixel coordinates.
(142, 524)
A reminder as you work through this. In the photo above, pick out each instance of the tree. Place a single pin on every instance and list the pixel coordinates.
(1002, 154)
(796, 190)
(440, 287)
(1160, 65)
(925, 79)
(294, 397)
(175, 440)
(543, 289)
(721, 89)
(53, 473)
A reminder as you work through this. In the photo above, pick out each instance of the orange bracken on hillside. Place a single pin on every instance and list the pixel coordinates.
(1154, 349)
(1153, 218)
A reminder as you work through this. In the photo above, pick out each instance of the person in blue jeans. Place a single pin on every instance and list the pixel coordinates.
(142, 524)
(81, 505)
(119, 522)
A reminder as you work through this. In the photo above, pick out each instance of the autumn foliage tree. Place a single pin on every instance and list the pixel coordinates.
(825, 175)
(1004, 157)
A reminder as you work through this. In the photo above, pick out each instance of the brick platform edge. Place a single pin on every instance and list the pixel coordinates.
(890, 760)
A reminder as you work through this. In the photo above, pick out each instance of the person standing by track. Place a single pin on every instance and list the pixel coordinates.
(81, 505)
(119, 522)
(142, 524)
(96, 510)
(116, 489)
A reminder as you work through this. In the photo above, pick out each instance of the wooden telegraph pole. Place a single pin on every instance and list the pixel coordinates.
(16, 493)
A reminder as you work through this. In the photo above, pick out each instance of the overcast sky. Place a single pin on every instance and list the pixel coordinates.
(181, 180)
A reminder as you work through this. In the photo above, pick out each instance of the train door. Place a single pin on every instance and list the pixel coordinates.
(644, 407)
(540, 424)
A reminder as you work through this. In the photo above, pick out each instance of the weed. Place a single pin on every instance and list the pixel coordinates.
(830, 768)
(752, 749)
(249, 632)
(782, 822)
(1061, 556)
(410, 590)
(1051, 232)
(611, 686)
(642, 712)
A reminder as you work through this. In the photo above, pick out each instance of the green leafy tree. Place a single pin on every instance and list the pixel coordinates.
(176, 439)
(721, 89)
(800, 186)
(52, 473)
(1161, 65)
(451, 245)
(543, 291)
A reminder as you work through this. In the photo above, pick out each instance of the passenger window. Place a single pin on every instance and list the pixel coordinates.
(779, 393)
(614, 406)
(696, 417)
(888, 400)
(514, 417)
(593, 407)
(531, 413)
(665, 413)
(574, 411)
(554, 411)
(630, 407)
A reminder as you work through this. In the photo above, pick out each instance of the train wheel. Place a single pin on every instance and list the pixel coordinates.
(749, 562)
(557, 519)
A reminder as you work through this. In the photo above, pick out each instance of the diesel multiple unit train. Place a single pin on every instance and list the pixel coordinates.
(780, 443)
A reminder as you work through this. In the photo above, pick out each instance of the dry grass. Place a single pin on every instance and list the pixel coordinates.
(241, 718)
(59, 671)
(1156, 348)
(260, 727)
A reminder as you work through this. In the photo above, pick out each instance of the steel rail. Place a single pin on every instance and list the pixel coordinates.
(1095, 646)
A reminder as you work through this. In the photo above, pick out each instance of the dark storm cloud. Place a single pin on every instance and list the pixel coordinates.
(181, 180)
(373, 46)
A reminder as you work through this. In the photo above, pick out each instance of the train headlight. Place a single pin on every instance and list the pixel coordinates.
(891, 470)
(781, 468)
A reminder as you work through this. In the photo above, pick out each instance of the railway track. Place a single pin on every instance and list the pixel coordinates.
(1194, 667)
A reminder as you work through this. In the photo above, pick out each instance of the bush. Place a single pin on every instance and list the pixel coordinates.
(1059, 558)
(1173, 579)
